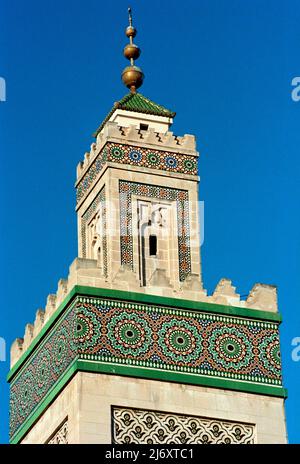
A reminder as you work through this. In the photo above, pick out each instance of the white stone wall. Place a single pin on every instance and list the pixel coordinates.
(88, 398)
(125, 118)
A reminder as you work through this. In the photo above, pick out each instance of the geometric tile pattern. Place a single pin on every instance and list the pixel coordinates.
(152, 337)
(98, 202)
(61, 435)
(155, 159)
(182, 341)
(153, 427)
(43, 369)
(136, 156)
(127, 189)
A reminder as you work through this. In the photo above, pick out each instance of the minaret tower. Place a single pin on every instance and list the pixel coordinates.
(131, 349)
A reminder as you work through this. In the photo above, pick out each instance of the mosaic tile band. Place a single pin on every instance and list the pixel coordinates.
(165, 338)
(136, 156)
(153, 427)
(43, 369)
(152, 337)
(127, 190)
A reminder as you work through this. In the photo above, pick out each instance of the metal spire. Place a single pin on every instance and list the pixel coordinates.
(132, 75)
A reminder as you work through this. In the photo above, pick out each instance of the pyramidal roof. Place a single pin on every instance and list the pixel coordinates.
(138, 103)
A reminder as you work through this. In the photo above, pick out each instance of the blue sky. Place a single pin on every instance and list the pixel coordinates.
(225, 67)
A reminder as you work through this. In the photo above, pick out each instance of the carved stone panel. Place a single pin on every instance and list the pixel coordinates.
(152, 427)
(60, 437)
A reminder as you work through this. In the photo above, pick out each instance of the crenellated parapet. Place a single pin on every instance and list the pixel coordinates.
(137, 148)
(84, 272)
(126, 135)
(263, 297)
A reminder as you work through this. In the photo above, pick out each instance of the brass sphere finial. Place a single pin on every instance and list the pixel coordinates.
(132, 75)
(132, 51)
(130, 30)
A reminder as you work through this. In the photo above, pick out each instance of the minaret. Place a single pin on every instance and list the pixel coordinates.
(131, 349)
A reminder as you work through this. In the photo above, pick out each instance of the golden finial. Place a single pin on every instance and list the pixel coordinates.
(132, 75)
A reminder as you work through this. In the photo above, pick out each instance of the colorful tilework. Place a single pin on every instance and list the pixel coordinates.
(45, 367)
(136, 156)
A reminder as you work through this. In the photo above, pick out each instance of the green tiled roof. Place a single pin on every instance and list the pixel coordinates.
(137, 102)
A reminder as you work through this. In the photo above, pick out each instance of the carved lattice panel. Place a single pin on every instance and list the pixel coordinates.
(151, 427)
(61, 435)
